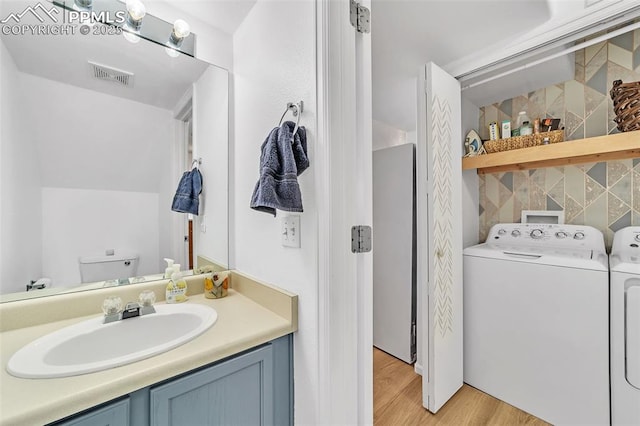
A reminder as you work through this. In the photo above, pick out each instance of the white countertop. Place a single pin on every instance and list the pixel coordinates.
(253, 313)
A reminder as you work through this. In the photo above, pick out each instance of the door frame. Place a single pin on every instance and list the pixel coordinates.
(343, 154)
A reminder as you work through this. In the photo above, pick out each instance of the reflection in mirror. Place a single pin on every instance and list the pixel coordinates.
(95, 135)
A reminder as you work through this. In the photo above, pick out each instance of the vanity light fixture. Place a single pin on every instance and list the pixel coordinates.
(180, 31)
(172, 52)
(135, 13)
(82, 5)
(131, 37)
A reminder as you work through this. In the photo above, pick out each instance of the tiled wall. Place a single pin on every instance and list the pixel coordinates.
(604, 195)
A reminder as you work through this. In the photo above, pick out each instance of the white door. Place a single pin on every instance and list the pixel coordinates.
(439, 227)
(394, 301)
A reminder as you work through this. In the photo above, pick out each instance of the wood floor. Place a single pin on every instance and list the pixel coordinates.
(397, 400)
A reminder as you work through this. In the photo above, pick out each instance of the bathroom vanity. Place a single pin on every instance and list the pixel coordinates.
(252, 388)
(239, 371)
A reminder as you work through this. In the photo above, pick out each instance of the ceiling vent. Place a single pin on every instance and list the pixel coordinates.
(105, 73)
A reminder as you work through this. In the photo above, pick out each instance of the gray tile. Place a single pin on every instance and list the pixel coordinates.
(552, 205)
(636, 161)
(480, 210)
(531, 172)
(599, 173)
(506, 106)
(625, 40)
(507, 181)
(636, 58)
(599, 80)
(577, 133)
(623, 222)
(596, 123)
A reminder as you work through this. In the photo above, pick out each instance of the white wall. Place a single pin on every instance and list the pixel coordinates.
(80, 222)
(210, 136)
(91, 140)
(20, 229)
(105, 156)
(470, 191)
(275, 63)
(386, 136)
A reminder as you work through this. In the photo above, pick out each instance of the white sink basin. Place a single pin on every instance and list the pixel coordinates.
(92, 346)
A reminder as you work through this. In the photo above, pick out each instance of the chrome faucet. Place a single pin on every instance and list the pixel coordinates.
(112, 307)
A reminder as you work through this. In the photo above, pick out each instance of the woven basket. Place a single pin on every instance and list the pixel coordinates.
(527, 141)
(626, 104)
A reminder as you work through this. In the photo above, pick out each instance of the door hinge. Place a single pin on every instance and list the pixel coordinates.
(360, 17)
(360, 239)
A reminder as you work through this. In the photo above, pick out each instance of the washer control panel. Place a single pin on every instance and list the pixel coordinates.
(547, 235)
(626, 244)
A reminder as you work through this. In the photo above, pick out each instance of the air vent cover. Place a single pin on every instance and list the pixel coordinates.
(106, 73)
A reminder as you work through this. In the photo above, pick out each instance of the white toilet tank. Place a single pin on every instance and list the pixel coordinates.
(101, 268)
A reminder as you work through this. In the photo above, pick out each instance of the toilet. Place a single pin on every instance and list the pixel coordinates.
(120, 265)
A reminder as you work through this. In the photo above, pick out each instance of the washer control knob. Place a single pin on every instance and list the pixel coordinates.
(502, 231)
(638, 237)
(537, 233)
(515, 233)
(561, 234)
(578, 236)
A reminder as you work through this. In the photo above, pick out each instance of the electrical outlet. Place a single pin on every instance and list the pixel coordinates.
(290, 231)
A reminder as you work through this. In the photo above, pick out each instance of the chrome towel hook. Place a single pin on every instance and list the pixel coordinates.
(296, 109)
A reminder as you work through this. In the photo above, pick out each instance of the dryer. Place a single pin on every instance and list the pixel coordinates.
(536, 320)
(625, 327)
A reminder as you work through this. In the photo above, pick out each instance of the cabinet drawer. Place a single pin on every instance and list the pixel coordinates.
(236, 391)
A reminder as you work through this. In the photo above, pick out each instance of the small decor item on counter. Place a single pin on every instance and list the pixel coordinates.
(505, 129)
(177, 288)
(169, 270)
(545, 141)
(473, 144)
(536, 126)
(626, 104)
(494, 133)
(216, 285)
(515, 132)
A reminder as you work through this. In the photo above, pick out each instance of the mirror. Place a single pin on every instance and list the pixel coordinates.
(95, 134)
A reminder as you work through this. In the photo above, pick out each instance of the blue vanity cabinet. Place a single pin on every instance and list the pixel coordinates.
(254, 387)
(236, 392)
(113, 414)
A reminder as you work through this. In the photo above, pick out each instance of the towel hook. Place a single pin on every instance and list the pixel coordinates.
(296, 109)
(196, 162)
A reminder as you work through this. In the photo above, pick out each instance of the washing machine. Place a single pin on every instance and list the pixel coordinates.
(624, 263)
(536, 321)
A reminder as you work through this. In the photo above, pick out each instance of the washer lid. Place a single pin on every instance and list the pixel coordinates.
(625, 252)
(551, 256)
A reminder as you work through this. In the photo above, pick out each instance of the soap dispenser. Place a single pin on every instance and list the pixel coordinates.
(177, 287)
(169, 270)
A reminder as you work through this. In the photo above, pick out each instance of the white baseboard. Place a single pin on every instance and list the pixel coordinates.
(418, 368)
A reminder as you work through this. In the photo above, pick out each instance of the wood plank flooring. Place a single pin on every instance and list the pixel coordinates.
(397, 400)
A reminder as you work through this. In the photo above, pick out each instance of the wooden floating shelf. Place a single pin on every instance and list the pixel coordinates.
(601, 148)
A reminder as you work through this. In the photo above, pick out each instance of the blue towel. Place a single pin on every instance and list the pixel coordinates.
(283, 159)
(187, 196)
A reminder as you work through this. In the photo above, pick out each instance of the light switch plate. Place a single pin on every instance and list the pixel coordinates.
(290, 231)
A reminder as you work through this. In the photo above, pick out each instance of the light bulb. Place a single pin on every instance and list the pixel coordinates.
(172, 52)
(131, 37)
(136, 10)
(181, 29)
(82, 5)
